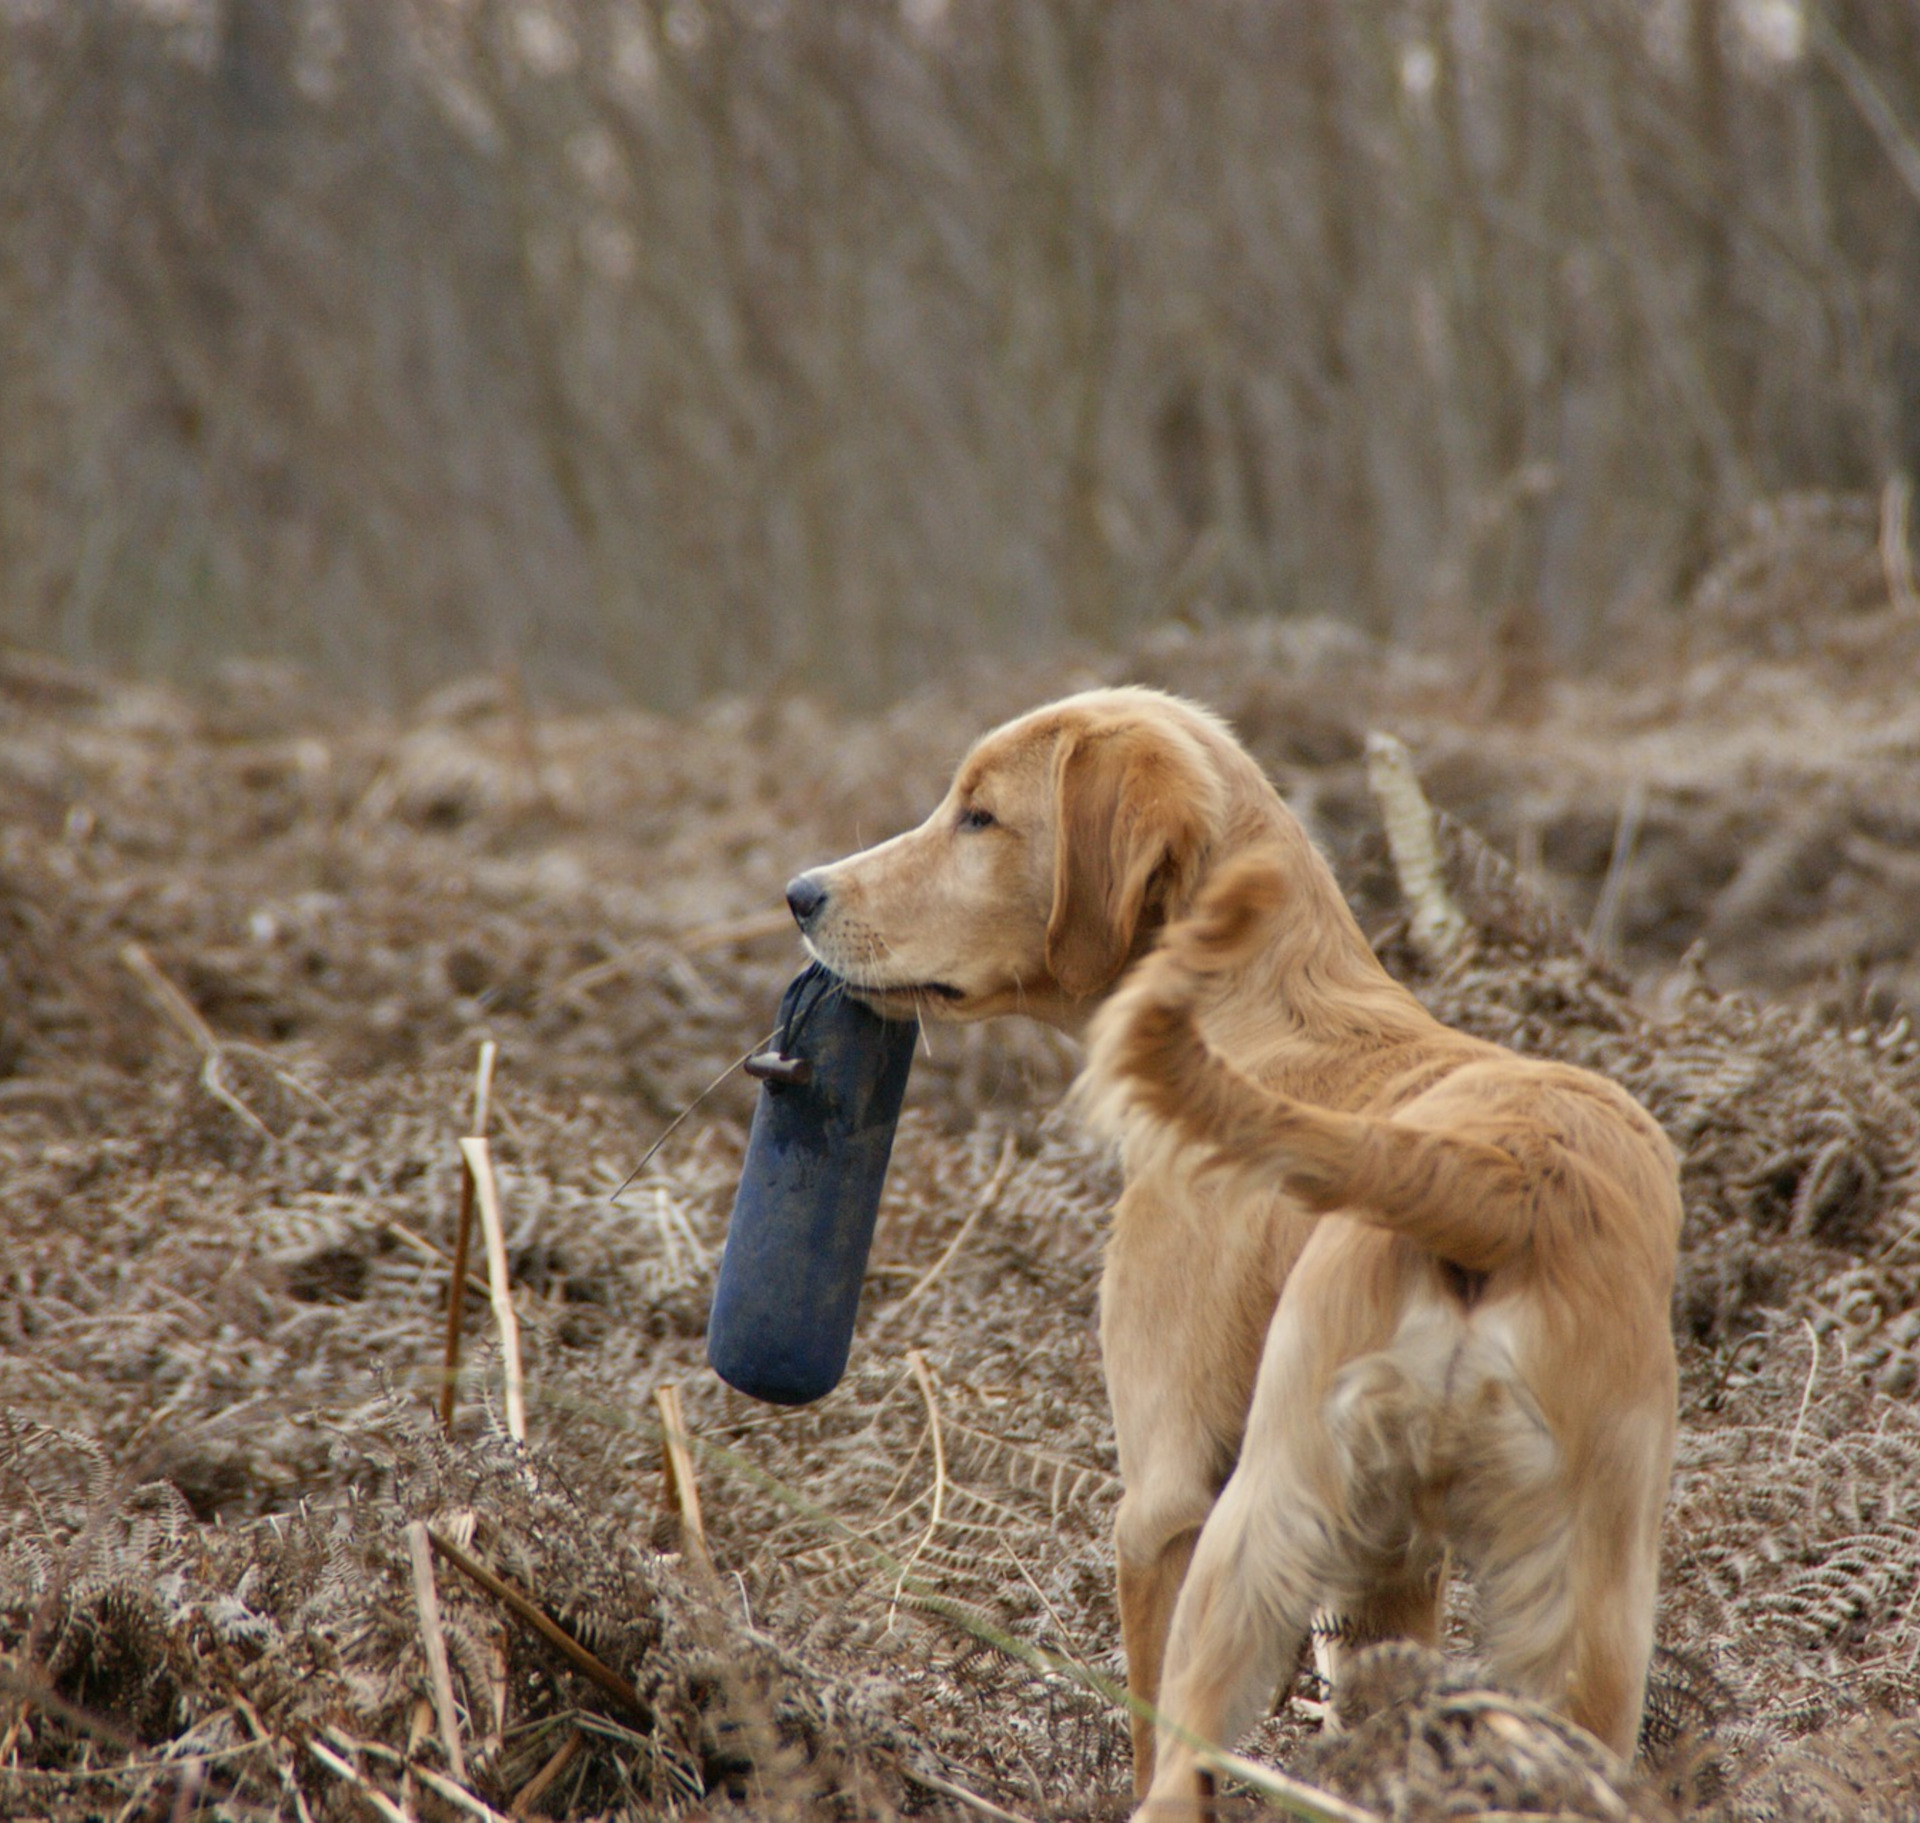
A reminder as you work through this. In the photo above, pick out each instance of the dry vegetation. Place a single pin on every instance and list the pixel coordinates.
(692, 343)
(253, 946)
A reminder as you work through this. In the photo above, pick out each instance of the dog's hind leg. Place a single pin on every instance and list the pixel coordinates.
(1569, 1604)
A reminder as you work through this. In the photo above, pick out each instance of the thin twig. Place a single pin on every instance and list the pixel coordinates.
(549, 1629)
(169, 999)
(487, 1192)
(427, 1600)
(463, 1800)
(133, 1769)
(499, 1677)
(960, 1794)
(917, 1362)
(989, 1197)
(187, 1788)
(1053, 1613)
(434, 1781)
(463, 1240)
(360, 1782)
(283, 1763)
(1294, 1796)
(543, 1781)
(185, 1018)
(428, 1251)
(682, 1489)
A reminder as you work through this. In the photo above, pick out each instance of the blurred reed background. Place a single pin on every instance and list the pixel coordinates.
(666, 347)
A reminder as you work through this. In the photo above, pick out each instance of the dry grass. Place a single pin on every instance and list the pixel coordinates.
(223, 1321)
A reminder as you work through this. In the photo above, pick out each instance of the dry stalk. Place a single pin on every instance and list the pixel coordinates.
(284, 1761)
(428, 1251)
(463, 1239)
(498, 1678)
(427, 1600)
(1435, 923)
(1529, 1816)
(1293, 1796)
(960, 1794)
(549, 1629)
(988, 1201)
(682, 1489)
(582, 982)
(923, 1377)
(184, 1016)
(419, 1729)
(487, 1193)
(458, 1797)
(1626, 838)
(1053, 1613)
(543, 1781)
(456, 1299)
(1896, 545)
(187, 1790)
(344, 1769)
(455, 1795)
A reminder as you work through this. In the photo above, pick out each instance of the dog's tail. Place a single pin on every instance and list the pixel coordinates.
(1149, 1063)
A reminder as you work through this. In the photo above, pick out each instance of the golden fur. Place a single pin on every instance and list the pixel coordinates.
(1375, 1290)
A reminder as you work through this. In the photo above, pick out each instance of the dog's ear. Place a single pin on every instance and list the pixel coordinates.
(1135, 809)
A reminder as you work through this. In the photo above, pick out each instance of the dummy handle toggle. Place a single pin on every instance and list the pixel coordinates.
(771, 1066)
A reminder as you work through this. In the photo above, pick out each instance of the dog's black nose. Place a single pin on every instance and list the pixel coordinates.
(805, 896)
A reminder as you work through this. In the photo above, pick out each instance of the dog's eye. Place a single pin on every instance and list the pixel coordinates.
(973, 817)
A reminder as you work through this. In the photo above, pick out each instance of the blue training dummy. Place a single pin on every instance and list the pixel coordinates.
(789, 1290)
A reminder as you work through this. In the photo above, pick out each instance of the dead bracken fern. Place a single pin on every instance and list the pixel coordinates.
(1421, 1738)
(220, 1358)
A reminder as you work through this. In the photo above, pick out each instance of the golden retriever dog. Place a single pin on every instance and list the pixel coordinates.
(1375, 1291)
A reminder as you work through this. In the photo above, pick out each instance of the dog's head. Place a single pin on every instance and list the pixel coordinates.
(1066, 840)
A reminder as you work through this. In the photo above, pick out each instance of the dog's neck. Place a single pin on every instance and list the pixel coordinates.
(1345, 1024)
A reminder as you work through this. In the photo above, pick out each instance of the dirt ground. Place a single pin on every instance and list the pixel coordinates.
(253, 944)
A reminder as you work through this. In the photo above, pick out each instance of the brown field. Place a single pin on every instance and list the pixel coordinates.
(253, 944)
